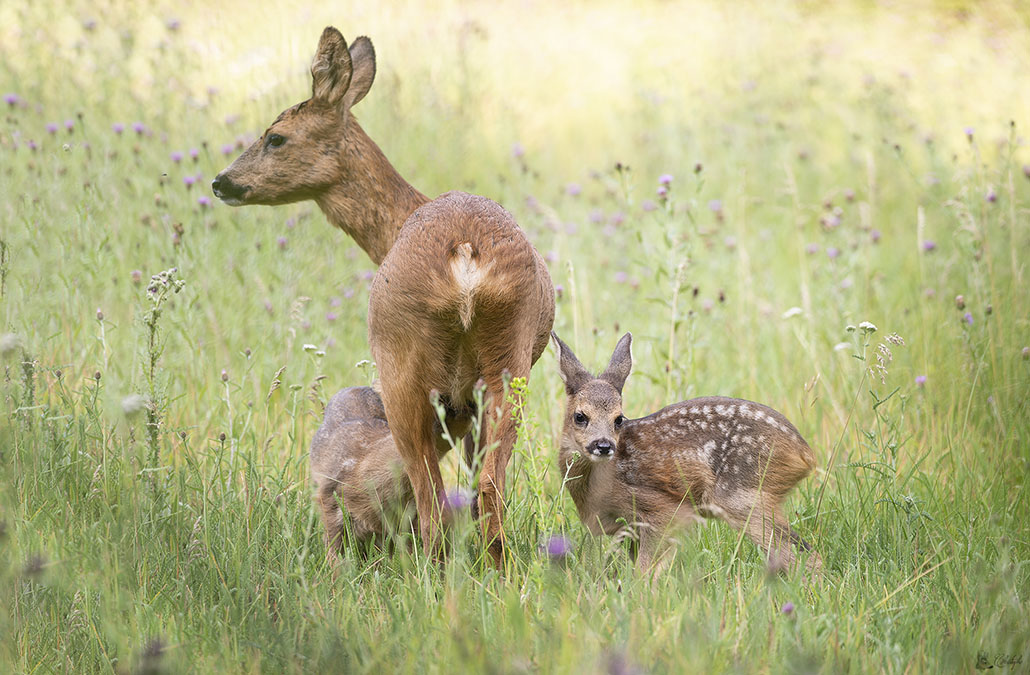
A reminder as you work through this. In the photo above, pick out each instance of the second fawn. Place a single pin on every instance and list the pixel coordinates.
(705, 457)
(353, 457)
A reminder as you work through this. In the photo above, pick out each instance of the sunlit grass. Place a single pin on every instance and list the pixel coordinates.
(828, 167)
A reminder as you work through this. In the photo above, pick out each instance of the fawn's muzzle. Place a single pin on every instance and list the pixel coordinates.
(601, 447)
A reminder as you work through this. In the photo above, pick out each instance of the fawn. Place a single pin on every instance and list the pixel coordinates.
(708, 457)
(353, 456)
(460, 294)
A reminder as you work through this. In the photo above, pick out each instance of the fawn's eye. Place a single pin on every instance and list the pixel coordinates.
(274, 140)
(619, 420)
(580, 419)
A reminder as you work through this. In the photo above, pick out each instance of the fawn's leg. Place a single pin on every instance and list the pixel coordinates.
(332, 517)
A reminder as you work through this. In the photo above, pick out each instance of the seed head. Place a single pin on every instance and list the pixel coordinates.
(9, 342)
(960, 301)
(133, 404)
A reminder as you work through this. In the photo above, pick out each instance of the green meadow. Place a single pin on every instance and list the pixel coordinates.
(772, 197)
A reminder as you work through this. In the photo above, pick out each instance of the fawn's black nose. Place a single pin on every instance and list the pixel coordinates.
(602, 447)
(225, 189)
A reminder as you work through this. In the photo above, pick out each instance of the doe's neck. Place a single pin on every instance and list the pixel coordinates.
(372, 201)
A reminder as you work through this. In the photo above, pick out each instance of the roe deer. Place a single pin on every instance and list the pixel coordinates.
(353, 456)
(711, 457)
(460, 293)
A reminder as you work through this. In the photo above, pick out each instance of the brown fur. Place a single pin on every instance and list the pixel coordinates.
(706, 457)
(353, 458)
(461, 295)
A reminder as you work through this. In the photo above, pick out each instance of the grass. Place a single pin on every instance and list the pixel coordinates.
(829, 167)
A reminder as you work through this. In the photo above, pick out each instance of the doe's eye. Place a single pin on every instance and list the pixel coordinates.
(619, 420)
(275, 140)
(580, 419)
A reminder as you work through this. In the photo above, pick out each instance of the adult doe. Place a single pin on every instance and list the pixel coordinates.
(710, 457)
(460, 294)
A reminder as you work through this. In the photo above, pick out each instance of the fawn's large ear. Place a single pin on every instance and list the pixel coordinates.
(363, 60)
(331, 69)
(621, 363)
(572, 372)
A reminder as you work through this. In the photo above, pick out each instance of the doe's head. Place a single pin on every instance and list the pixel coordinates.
(301, 153)
(593, 411)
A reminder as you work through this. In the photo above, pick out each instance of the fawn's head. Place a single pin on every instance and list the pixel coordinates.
(299, 155)
(593, 412)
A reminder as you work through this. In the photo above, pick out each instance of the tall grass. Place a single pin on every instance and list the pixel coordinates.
(829, 167)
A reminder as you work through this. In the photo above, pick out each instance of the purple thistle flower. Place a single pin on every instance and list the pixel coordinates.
(556, 547)
(139, 128)
(559, 290)
(662, 192)
(204, 201)
(920, 380)
(331, 316)
(875, 235)
(69, 125)
(194, 154)
(335, 301)
(458, 499)
(1026, 170)
(929, 245)
(173, 24)
(227, 148)
(573, 189)
(11, 99)
(32, 145)
(368, 275)
(281, 242)
(648, 205)
(188, 181)
(118, 128)
(618, 218)
(833, 252)
(596, 216)
(968, 318)
(788, 608)
(665, 179)
(991, 195)
(620, 277)
(730, 242)
(176, 156)
(136, 276)
(715, 205)
(812, 249)
(969, 133)
(517, 150)
(1026, 353)
(551, 257)
(51, 127)
(348, 293)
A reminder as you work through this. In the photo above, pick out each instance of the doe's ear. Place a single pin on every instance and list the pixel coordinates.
(331, 69)
(572, 372)
(621, 364)
(363, 61)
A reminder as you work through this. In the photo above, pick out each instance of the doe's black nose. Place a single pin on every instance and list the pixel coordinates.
(225, 188)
